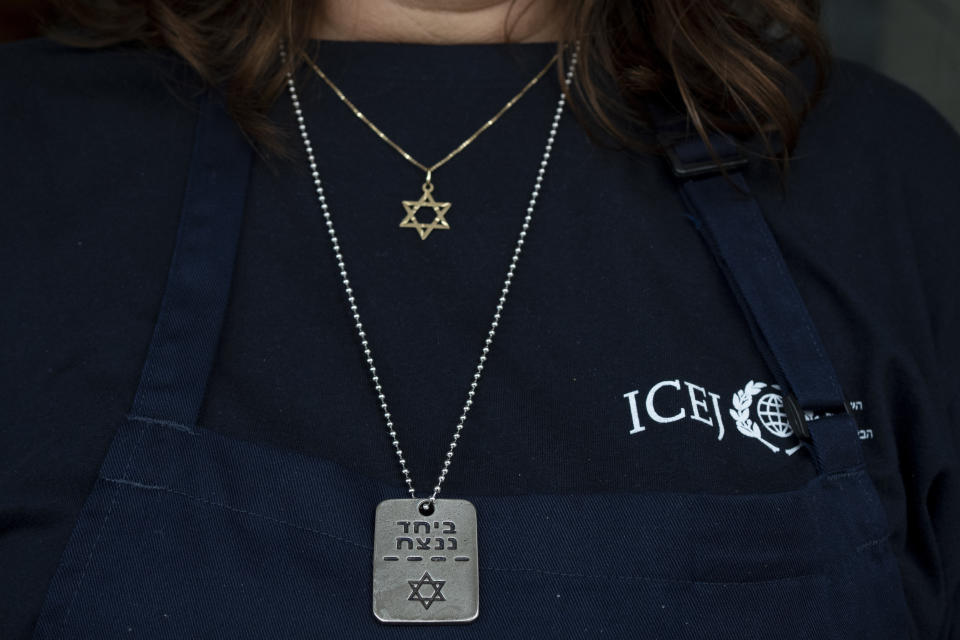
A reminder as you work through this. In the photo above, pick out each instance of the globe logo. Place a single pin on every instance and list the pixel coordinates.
(772, 416)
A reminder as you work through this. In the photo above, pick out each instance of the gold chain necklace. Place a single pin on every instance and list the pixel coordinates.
(426, 200)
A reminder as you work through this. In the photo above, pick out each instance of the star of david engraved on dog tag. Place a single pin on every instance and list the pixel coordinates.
(425, 567)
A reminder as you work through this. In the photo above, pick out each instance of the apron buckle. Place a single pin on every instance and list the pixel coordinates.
(797, 420)
(687, 160)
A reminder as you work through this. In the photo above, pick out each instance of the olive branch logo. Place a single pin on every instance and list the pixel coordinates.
(770, 410)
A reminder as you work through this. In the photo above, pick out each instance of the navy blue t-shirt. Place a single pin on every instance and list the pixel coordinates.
(622, 361)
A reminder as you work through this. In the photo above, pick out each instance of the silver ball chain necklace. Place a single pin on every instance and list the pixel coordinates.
(425, 566)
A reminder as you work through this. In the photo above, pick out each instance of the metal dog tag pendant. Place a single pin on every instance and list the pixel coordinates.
(425, 563)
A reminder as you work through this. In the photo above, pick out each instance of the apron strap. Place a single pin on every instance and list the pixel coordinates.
(187, 330)
(730, 220)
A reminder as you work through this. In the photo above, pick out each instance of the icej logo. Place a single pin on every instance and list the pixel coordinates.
(756, 411)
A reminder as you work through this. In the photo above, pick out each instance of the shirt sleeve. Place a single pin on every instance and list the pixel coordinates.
(929, 151)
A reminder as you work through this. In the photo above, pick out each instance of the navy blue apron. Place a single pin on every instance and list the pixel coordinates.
(190, 534)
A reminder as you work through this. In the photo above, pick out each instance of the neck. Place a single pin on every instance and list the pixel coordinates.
(438, 21)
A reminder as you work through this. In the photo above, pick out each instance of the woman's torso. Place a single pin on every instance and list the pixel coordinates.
(619, 364)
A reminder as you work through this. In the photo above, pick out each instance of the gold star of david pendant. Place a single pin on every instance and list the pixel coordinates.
(426, 201)
(425, 562)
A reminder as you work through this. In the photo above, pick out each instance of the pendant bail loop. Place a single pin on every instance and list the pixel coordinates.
(426, 507)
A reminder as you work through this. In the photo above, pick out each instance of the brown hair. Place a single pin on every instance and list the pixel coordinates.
(726, 63)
